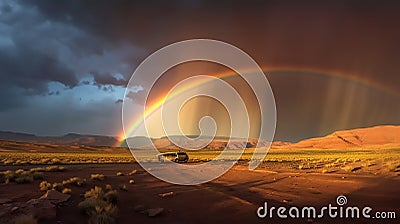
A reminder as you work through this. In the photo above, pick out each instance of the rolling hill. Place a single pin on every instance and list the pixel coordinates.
(355, 138)
(68, 139)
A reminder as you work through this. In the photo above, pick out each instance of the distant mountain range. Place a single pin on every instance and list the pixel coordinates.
(68, 139)
(355, 138)
(216, 143)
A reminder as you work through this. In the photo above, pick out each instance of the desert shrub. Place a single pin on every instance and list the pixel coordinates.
(132, 172)
(58, 186)
(19, 171)
(96, 193)
(45, 186)
(103, 215)
(76, 181)
(55, 161)
(37, 175)
(108, 187)
(329, 165)
(348, 168)
(97, 176)
(8, 162)
(304, 166)
(37, 169)
(20, 162)
(44, 161)
(99, 206)
(67, 191)
(19, 176)
(91, 203)
(131, 181)
(9, 176)
(25, 219)
(54, 168)
(24, 177)
(122, 187)
(120, 174)
(111, 197)
(393, 166)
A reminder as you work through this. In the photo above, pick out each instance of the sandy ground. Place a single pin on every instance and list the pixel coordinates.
(232, 198)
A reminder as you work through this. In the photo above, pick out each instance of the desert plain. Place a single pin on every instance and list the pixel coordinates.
(50, 183)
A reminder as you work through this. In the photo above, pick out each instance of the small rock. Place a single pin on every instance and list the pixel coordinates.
(5, 201)
(163, 195)
(152, 212)
(139, 208)
(44, 209)
(13, 209)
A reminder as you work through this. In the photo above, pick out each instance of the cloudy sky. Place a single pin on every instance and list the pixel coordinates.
(64, 64)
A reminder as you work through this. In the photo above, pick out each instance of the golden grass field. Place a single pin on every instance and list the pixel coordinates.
(312, 159)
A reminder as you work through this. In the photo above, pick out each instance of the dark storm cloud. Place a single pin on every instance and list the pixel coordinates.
(360, 37)
(36, 51)
(108, 79)
(27, 59)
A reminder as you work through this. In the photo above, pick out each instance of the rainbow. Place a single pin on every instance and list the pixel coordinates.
(157, 104)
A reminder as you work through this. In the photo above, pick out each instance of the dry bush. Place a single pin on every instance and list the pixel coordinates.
(8, 162)
(120, 174)
(304, 166)
(90, 204)
(132, 172)
(55, 161)
(131, 181)
(20, 176)
(9, 176)
(19, 171)
(347, 168)
(108, 187)
(96, 193)
(122, 187)
(111, 197)
(45, 186)
(58, 186)
(76, 181)
(103, 215)
(24, 177)
(67, 191)
(54, 168)
(37, 175)
(44, 161)
(20, 162)
(99, 206)
(99, 177)
(38, 169)
(393, 166)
